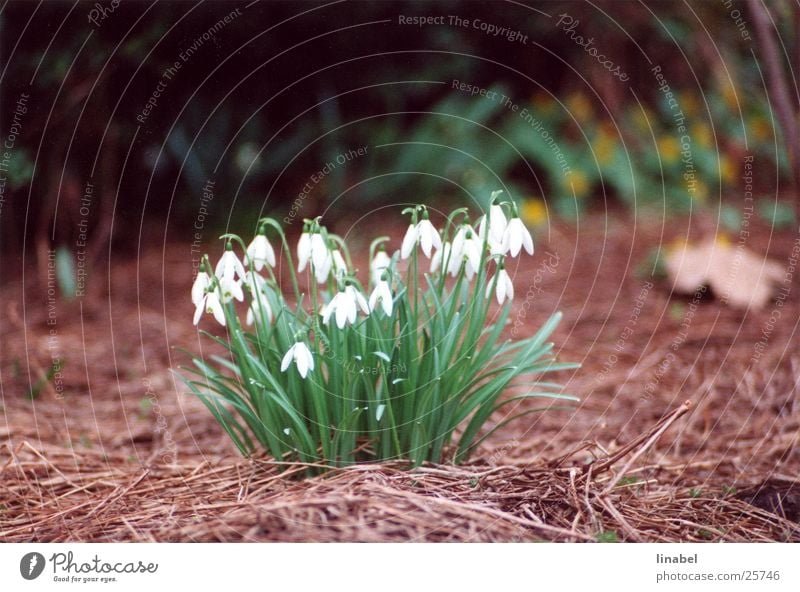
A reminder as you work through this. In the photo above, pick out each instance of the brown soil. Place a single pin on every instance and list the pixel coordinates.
(89, 459)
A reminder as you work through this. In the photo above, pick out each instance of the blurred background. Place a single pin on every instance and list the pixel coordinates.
(135, 121)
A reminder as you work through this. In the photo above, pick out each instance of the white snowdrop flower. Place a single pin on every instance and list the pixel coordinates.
(471, 252)
(409, 241)
(199, 287)
(504, 289)
(380, 262)
(229, 265)
(428, 236)
(259, 310)
(460, 239)
(255, 283)
(321, 258)
(260, 253)
(300, 355)
(441, 257)
(344, 306)
(467, 251)
(229, 289)
(338, 263)
(259, 303)
(382, 293)
(319, 250)
(497, 225)
(210, 304)
(357, 297)
(515, 237)
(303, 250)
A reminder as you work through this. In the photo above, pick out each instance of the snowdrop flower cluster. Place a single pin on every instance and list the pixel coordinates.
(320, 253)
(367, 359)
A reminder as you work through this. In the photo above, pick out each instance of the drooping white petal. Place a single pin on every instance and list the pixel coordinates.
(214, 307)
(229, 266)
(358, 298)
(322, 271)
(497, 223)
(320, 254)
(460, 239)
(339, 264)
(230, 289)
(428, 237)
(509, 285)
(515, 236)
(326, 312)
(309, 356)
(380, 263)
(259, 309)
(409, 241)
(303, 251)
(343, 306)
(383, 294)
(301, 359)
(201, 283)
(472, 252)
(287, 358)
(260, 253)
(527, 241)
(198, 310)
(440, 257)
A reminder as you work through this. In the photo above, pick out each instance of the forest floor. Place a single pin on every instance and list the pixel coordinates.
(687, 429)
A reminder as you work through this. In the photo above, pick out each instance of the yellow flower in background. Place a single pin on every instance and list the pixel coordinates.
(701, 133)
(722, 240)
(534, 212)
(543, 103)
(604, 147)
(729, 94)
(577, 182)
(580, 107)
(700, 192)
(727, 170)
(669, 148)
(644, 118)
(760, 128)
(689, 103)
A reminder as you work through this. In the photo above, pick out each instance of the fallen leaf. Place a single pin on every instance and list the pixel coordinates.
(735, 274)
